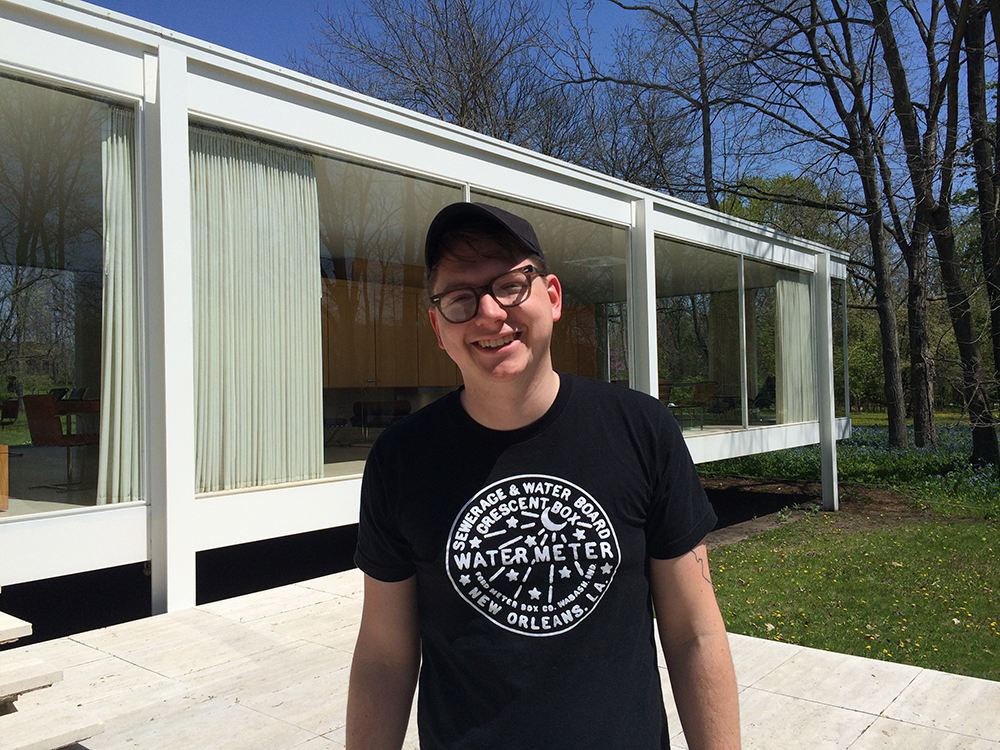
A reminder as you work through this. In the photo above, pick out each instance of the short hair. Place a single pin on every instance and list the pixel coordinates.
(463, 243)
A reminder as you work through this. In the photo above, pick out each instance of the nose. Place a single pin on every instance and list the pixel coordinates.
(490, 309)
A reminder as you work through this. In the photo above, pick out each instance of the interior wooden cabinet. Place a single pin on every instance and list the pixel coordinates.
(348, 335)
(379, 335)
(434, 367)
(574, 341)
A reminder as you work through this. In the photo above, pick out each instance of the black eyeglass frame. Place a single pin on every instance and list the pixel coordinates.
(487, 288)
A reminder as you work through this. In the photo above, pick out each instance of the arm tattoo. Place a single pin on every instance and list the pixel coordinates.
(703, 565)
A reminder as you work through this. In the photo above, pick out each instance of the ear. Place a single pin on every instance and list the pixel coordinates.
(554, 290)
(432, 313)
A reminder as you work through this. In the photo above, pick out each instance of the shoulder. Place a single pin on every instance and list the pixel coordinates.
(598, 393)
(619, 410)
(416, 428)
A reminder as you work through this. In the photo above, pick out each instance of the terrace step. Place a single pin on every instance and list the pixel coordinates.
(47, 729)
(12, 628)
(22, 677)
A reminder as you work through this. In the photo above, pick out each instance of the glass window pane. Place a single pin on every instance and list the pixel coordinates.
(697, 330)
(781, 345)
(51, 286)
(380, 356)
(589, 258)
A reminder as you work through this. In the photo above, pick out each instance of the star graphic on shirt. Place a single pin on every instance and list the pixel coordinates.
(512, 574)
(606, 569)
(464, 580)
(535, 593)
(580, 534)
(475, 542)
(512, 522)
(564, 572)
(531, 541)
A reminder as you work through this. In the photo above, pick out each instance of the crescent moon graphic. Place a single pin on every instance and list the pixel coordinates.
(547, 522)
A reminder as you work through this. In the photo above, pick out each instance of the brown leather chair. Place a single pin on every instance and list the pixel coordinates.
(46, 429)
(9, 410)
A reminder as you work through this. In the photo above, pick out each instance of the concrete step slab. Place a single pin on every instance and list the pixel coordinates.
(12, 628)
(23, 676)
(47, 730)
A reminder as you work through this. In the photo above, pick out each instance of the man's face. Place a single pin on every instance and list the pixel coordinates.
(498, 344)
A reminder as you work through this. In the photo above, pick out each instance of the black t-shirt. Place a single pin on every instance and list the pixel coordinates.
(531, 551)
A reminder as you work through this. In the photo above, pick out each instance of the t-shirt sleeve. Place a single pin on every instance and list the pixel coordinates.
(680, 514)
(382, 552)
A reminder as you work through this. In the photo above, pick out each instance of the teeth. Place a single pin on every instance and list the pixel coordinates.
(494, 343)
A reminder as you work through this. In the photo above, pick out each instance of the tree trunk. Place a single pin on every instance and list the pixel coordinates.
(983, 155)
(985, 449)
(921, 362)
(886, 307)
(923, 163)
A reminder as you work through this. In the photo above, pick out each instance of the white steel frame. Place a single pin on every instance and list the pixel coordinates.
(174, 80)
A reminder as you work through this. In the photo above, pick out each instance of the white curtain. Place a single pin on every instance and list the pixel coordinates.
(119, 477)
(795, 355)
(258, 367)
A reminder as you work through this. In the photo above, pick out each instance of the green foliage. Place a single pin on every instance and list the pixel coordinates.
(922, 594)
(864, 357)
(17, 433)
(940, 477)
(778, 203)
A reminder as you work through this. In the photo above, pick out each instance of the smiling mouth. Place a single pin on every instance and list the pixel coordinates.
(497, 343)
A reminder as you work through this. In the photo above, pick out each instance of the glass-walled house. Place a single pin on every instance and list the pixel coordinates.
(211, 297)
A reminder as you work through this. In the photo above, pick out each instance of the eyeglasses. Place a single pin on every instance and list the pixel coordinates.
(509, 289)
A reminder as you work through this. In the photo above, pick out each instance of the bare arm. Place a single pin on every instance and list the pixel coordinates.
(385, 666)
(696, 648)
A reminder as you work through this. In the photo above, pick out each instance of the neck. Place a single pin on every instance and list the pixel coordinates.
(510, 406)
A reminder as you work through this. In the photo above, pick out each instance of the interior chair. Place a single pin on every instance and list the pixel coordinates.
(700, 400)
(331, 426)
(377, 414)
(9, 410)
(46, 429)
(665, 389)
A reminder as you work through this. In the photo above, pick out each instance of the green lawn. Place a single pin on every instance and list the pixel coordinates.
(921, 589)
(17, 433)
(924, 592)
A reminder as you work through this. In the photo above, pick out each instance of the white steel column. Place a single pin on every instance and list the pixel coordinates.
(642, 301)
(824, 363)
(169, 331)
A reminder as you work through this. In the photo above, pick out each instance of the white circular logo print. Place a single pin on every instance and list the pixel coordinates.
(533, 554)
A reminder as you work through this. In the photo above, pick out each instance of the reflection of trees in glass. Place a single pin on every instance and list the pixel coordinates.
(697, 316)
(372, 227)
(50, 233)
(763, 343)
(682, 342)
(616, 316)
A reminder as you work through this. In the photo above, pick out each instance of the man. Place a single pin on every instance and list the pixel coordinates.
(513, 533)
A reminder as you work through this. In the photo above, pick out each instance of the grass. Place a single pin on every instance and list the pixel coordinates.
(923, 590)
(926, 594)
(16, 433)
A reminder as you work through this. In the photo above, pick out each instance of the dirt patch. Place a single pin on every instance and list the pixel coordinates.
(753, 506)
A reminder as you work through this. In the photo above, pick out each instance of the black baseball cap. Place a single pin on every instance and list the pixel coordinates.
(457, 214)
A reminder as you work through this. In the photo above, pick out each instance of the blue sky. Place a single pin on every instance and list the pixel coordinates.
(267, 29)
